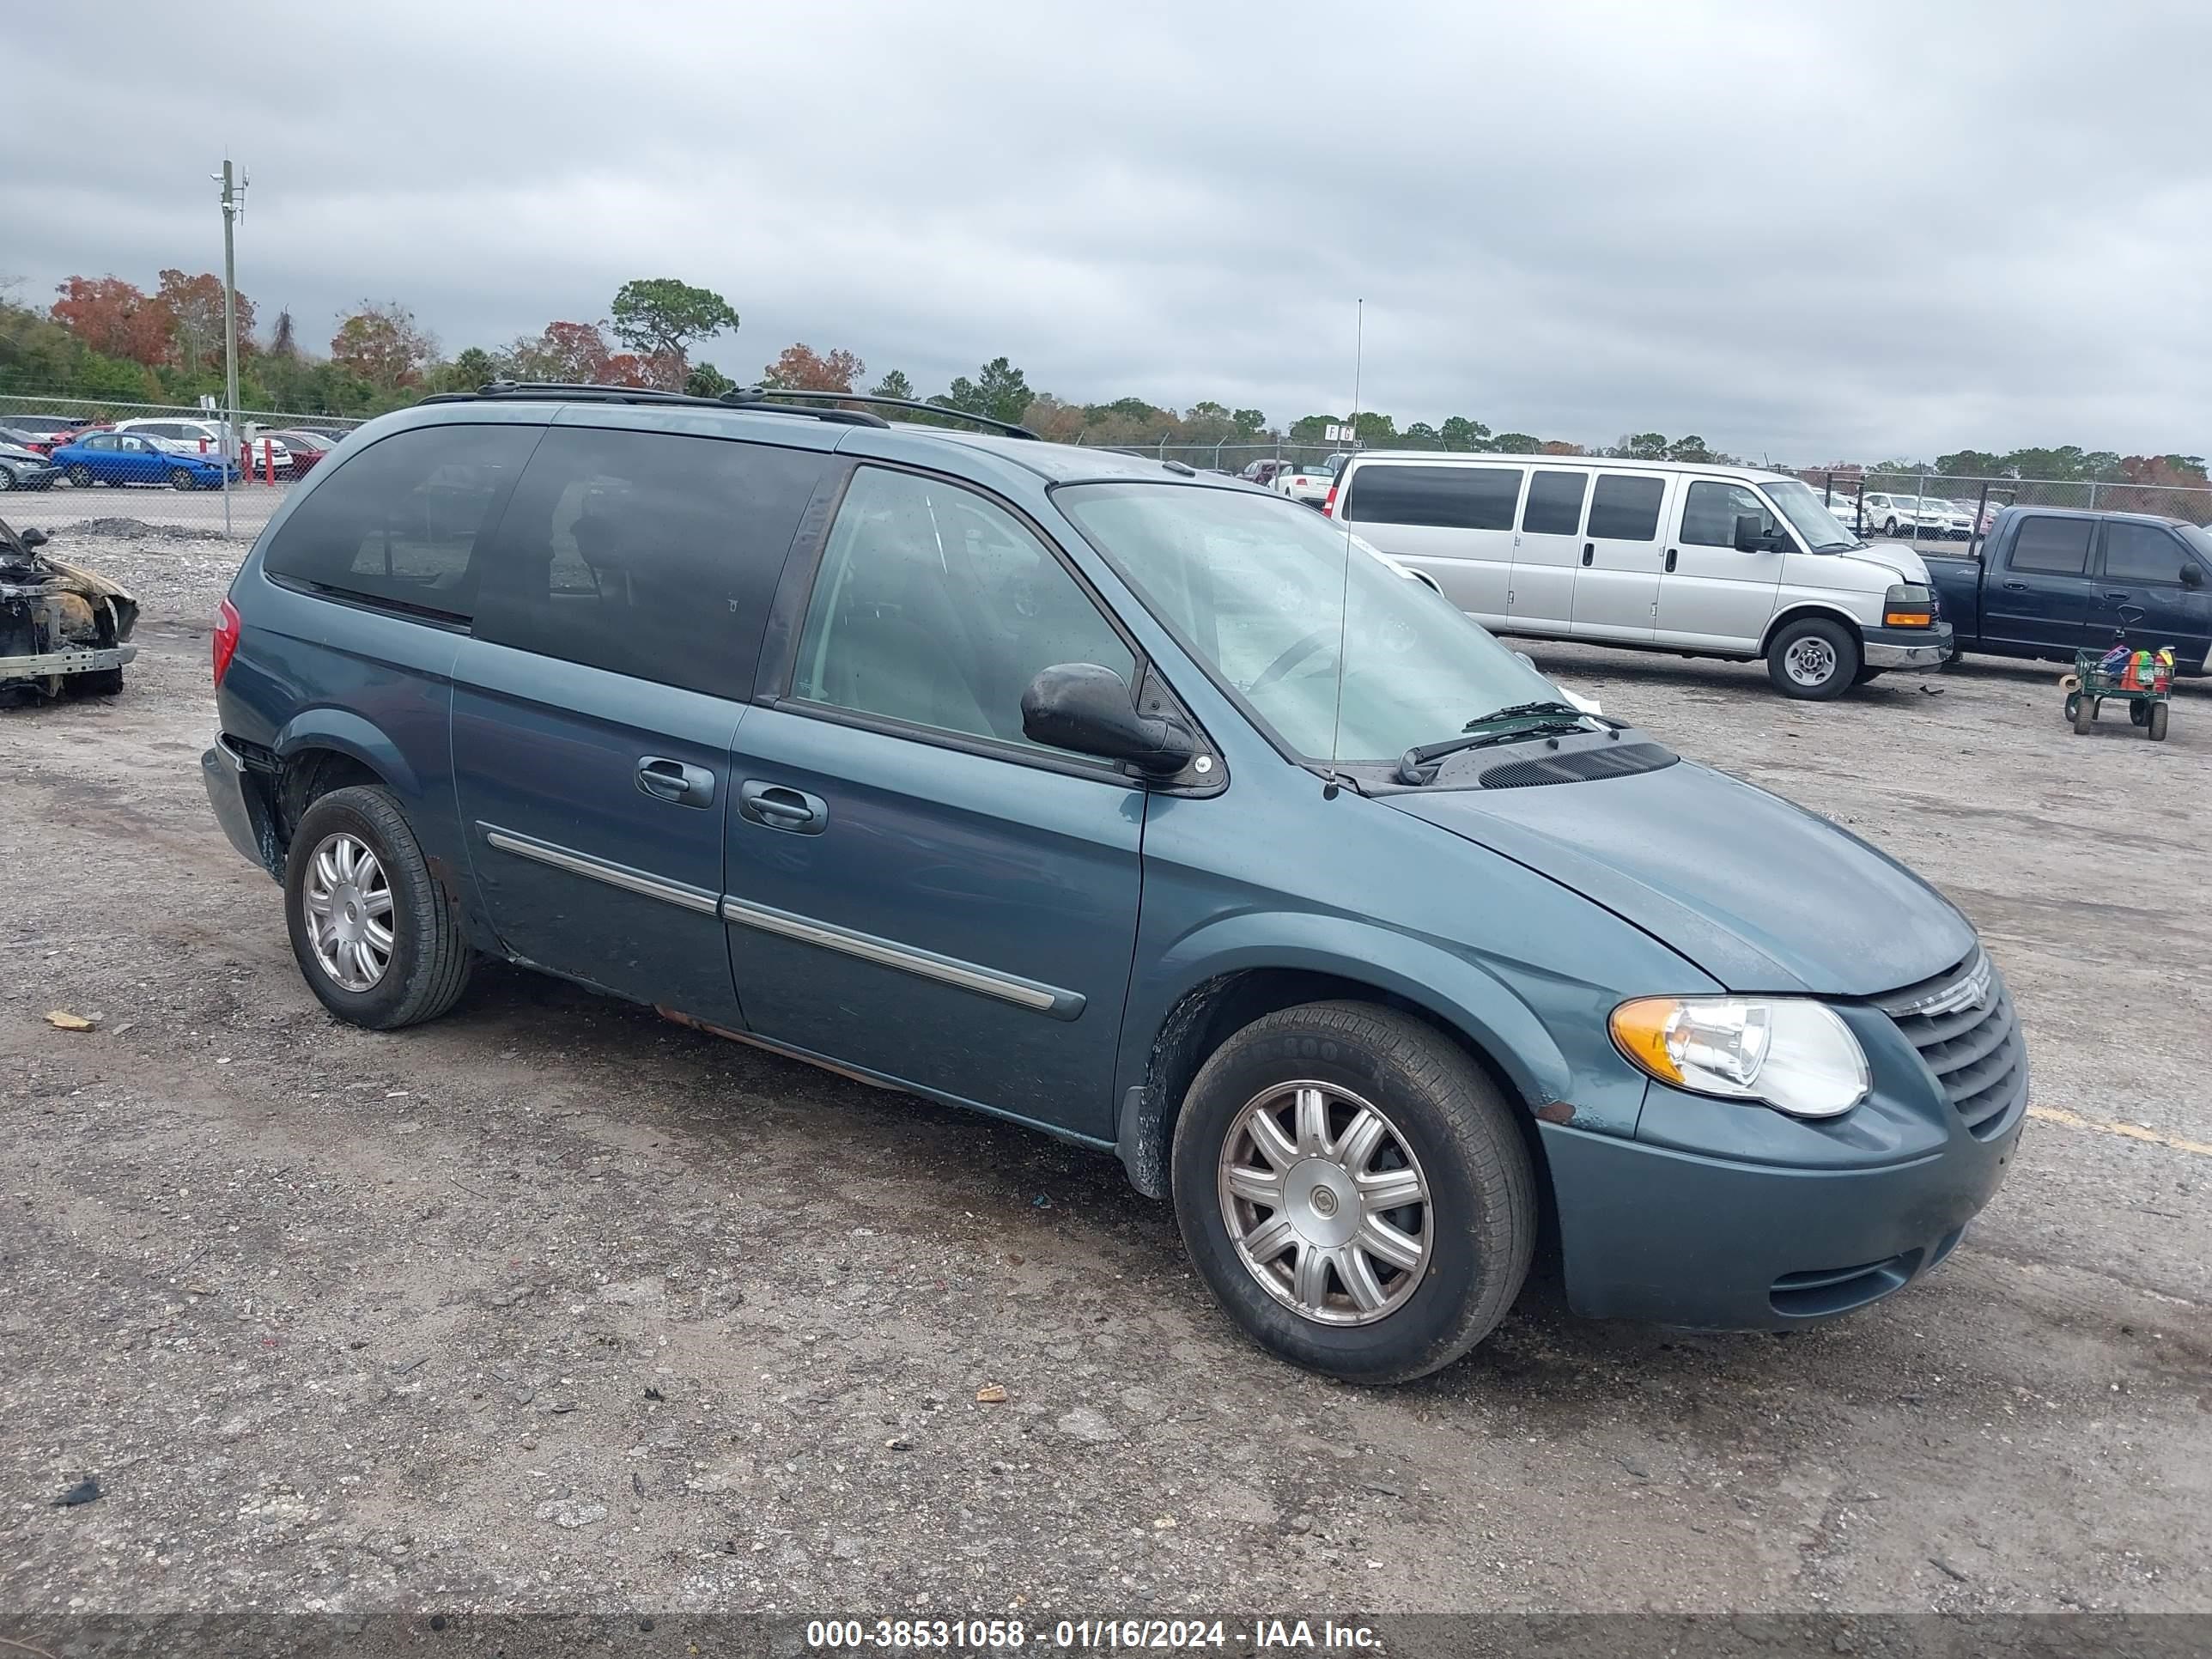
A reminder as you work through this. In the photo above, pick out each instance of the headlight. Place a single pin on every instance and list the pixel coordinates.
(1907, 604)
(1797, 1056)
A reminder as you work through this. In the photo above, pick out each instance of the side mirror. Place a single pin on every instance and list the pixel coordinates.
(1087, 709)
(2192, 573)
(1750, 539)
(32, 537)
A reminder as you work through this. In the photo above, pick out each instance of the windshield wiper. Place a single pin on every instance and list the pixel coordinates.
(1522, 710)
(1416, 764)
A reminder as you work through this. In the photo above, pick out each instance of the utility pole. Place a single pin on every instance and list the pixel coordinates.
(234, 204)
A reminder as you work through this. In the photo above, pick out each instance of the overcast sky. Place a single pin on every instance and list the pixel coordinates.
(1808, 233)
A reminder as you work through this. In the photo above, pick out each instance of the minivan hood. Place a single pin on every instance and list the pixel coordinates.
(1760, 894)
(1902, 561)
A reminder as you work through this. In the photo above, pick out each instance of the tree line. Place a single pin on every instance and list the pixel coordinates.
(103, 338)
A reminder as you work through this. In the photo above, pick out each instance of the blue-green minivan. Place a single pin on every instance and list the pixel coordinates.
(1142, 807)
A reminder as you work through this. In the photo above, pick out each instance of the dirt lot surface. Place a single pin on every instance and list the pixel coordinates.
(553, 1304)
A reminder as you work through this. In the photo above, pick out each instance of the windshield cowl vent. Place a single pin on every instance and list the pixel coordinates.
(1579, 765)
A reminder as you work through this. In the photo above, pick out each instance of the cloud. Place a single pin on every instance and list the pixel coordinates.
(1979, 226)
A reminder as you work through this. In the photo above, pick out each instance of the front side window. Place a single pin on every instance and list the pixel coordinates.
(1340, 654)
(2052, 547)
(1445, 497)
(936, 607)
(1710, 513)
(398, 523)
(2141, 553)
(650, 554)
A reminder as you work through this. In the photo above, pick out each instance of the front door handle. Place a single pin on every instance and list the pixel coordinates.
(778, 806)
(673, 781)
(1670, 558)
(2121, 595)
(1589, 551)
(2017, 587)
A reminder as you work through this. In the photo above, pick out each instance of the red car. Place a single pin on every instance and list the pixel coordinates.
(47, 433)
(306, 447)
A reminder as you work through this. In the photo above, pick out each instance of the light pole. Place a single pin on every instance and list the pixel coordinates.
(233, 205)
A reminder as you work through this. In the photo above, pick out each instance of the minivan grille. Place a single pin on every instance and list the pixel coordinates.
(1962, 1025)
(1615, 760)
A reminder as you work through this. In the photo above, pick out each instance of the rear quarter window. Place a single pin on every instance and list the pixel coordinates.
(399, 523)
(1447, 497)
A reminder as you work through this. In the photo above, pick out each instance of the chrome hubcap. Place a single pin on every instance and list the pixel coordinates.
(1326, 1203)
(349, 906)
(1811, 661)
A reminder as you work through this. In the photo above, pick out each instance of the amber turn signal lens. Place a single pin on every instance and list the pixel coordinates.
(1907, 619)
(1640, 1029)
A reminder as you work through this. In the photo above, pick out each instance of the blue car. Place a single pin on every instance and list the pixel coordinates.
(125, 458)
(1139, 807)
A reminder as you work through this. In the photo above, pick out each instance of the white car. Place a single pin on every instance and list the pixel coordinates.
(185, 437)
(1942, 517)
(1309, 484)
(1901, 517)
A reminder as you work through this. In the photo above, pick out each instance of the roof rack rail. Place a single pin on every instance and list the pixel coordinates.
(749, 397)
(586, 392)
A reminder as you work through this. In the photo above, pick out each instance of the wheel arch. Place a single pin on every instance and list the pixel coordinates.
(1798, 610)
(1499, 1033)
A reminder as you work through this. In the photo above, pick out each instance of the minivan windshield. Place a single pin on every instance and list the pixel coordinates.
(1280, 605)
(1806, 516)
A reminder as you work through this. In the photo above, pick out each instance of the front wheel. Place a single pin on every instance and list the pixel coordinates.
(2156, 723)
(373, 933)
(1889, 528)
(1354, 1190)
(1813, 659)
(180, 478)
(80, 475)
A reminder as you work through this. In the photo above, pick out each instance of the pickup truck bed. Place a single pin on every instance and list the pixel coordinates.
(2046, 583)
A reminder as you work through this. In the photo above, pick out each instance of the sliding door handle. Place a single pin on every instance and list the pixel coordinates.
(674, 780)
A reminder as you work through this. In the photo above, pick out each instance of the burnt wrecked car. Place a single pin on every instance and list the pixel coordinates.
(61, 626)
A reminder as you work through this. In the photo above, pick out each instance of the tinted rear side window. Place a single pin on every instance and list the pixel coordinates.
(1450, 497)
(1623, 509)
(2053, 547)
(2141, 553)
(649, 554)
(1555, 504)
(398, 522)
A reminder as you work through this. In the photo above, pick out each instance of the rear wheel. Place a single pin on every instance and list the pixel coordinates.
(1354, 1190)
(2138, 713)
(2084, 709)
(2157, 722)
(373, 933)
(1814, 657)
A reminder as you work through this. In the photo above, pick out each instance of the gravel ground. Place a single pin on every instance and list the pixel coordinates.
(554, 1305)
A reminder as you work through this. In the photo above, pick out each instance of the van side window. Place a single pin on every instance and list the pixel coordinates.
(1449, 497)
(2141, 553)
(1555, 504)
(1625, 508)
(397, 523)
(650, 554)
(936, 607)
(2053, 547)
(1709, 515)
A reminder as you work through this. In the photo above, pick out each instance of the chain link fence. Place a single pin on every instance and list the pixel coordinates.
(176, 465)
(1940, 511)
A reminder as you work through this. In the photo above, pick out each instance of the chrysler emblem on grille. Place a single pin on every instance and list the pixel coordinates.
(1969, 990)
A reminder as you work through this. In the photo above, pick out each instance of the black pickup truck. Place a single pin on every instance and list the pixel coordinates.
(2047, 583)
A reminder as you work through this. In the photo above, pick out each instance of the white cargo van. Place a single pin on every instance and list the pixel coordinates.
(1701, 561)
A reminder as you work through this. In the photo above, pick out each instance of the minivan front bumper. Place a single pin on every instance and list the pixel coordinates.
(1909, 648)
(1707, 1244)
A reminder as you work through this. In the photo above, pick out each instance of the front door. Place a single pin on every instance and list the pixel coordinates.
(617, 624)
(1709, 593)
(2141, 590)
(1617, 582)
(2044, 600)
(1546, 554)
(915, 889)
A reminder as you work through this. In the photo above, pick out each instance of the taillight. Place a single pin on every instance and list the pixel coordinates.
(225, 638)
(1328, 505)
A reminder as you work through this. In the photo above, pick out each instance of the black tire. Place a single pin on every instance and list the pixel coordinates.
(1481, 1212)
(181, 479)
(99, 682)
(2085, 714)
(1889, 528)
(2138, 713)
(2073, 705)
(7, 480)
(80, 475)
(2156, 724)
(430, 962)
(1845, 659)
